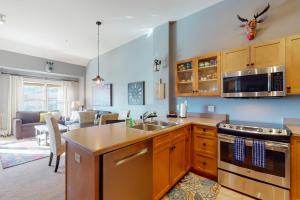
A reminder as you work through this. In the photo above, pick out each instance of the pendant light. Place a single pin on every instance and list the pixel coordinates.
(98, 79)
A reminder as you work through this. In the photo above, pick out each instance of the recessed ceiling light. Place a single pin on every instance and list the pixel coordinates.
(2, 19)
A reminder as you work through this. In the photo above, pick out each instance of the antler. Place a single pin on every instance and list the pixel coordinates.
(261, 13)
(242, 19)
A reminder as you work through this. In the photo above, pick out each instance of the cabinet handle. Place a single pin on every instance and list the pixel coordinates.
(248, 65)
(204, 144)
(204, 163)
(204, 129)
(252, 64)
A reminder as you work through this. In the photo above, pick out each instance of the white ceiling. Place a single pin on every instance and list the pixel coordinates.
(65, 30)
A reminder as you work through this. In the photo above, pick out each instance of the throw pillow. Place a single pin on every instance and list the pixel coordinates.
(43, 115)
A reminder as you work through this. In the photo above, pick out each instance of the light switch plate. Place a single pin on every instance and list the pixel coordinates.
(77, 157)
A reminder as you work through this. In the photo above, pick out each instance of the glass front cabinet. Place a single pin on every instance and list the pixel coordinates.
(199, 76)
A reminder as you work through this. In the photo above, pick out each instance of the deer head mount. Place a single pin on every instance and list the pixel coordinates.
(252, 24)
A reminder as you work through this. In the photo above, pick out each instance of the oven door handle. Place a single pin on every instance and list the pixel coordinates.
(270, 145)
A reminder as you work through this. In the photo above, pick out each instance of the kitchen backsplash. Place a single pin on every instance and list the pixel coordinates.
(271, 110)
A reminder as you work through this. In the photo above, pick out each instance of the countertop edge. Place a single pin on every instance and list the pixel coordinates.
(137, 140)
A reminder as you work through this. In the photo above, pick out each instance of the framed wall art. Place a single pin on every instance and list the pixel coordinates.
(136, 93)
(102, 95)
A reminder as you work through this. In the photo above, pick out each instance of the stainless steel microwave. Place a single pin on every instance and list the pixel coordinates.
(256, 82)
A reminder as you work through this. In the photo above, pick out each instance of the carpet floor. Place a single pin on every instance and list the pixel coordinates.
(33, 181)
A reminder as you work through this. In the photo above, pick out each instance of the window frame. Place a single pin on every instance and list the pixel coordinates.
(45, 84)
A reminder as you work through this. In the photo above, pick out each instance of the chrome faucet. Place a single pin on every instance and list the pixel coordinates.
(147, 115)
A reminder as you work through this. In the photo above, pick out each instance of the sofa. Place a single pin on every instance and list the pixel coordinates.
(23, 124)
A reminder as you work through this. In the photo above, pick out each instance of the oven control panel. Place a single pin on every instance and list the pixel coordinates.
(255, 130)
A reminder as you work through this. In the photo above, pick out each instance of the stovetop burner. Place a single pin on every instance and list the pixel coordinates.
(267, 131)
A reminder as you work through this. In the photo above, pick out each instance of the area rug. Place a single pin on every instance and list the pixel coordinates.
(20, 152)
(194, 187)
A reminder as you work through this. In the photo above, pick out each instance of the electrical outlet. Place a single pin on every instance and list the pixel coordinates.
(77, 157)
(211, 109)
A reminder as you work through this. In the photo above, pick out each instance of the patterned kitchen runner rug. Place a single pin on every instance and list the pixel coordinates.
(20, 152)
(194, 187)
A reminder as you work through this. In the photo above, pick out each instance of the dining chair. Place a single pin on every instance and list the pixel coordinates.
(57, 147)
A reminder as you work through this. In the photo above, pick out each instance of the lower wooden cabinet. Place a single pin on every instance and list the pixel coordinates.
(205, 150)
(176, 152)
(161, 165)
(188, 149)
(295, 168)
(205, 164)
(169, 160)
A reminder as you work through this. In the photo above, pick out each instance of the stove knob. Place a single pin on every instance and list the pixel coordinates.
(224, 125)
(230, 126)
(271, 131)
(279, 131)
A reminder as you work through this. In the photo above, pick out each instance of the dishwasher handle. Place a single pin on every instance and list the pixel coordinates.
(132, 156)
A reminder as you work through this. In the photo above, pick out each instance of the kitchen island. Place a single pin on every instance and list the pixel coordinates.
(86, 146)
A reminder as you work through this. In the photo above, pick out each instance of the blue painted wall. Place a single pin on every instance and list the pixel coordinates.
(130, 63)
(217, 28)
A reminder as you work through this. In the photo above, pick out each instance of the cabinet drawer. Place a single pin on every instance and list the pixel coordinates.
(204, 144)
(205, 130)
(205, 164)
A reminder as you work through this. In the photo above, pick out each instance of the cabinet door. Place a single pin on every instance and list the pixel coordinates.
(268, 54)
(293, 64)
(295, 169)
(188, 149)
(235, 59)
(161, 165)
(178, 157)
(185, 77)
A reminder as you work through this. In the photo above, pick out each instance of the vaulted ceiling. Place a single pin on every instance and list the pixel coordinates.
(65, 30)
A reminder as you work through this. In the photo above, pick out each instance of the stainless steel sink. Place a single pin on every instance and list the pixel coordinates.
(161, 123)
(147, 127)
(155, 125)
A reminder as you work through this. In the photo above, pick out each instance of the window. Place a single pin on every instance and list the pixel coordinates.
(42, 97)
(55, 97)
(33, 97)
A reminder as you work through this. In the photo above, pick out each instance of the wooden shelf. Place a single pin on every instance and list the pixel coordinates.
(187, 70)
(185, 82)
(207, 67)
(208, 80)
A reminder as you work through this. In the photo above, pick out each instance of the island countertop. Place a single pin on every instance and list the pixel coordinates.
(105, 138)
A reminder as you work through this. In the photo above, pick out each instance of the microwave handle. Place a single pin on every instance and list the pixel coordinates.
(273, 146)
(269, 82)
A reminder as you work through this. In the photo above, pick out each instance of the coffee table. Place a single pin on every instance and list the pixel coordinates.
(42, 134)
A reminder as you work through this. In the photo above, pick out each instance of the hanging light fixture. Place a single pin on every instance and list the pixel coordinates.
(98, 79)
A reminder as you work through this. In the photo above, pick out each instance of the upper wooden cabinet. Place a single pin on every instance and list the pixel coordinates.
(235, 59)
(293, 64)
(199, 76)
(185, 76)
(268, 54)
(265, 54)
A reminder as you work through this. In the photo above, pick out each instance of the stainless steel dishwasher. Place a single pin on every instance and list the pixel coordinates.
(127, 173)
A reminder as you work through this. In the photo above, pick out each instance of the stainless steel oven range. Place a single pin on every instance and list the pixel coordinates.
(270, 181)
